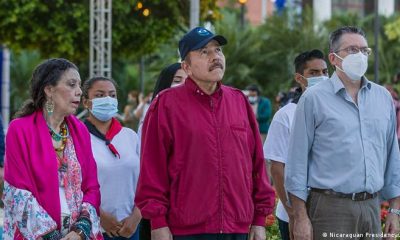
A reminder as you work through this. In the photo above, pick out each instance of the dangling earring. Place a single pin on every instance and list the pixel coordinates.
(49, 107)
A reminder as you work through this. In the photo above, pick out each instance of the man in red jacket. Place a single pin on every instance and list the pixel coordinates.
(202, 170)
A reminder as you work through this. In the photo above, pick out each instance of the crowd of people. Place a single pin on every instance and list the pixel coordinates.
(190, 162)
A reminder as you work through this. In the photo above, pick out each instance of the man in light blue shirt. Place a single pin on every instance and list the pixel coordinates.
(311, 69)
(343, 150)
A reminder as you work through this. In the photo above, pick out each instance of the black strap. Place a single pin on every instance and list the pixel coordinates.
(297, 95)
(93, 130)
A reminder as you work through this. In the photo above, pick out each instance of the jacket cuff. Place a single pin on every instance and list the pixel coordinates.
(158, 222)
(259, 220)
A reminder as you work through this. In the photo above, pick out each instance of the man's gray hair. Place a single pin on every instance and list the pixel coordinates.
(335, 36)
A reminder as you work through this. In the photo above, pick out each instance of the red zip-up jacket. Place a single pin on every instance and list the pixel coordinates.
(202, 165)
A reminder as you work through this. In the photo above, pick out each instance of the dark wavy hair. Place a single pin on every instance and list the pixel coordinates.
(47, 73)
(164, 81)
(89, 83)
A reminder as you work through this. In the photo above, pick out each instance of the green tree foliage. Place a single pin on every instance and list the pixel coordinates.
(264, 54)
(392, 29)
(39, 29)
(61, 28)
(241, 51)
(254, 54)
(392, 48)
(21, 69)
(54, 28)
(282, 41)
(389, 52)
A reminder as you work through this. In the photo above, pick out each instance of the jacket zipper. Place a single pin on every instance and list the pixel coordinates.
(219, 167)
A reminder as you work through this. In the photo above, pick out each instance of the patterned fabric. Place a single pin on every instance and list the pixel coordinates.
(73, 193)
(72, 183)
(94, 219)
(32, 220)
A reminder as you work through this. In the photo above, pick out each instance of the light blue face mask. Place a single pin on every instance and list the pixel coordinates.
(104, 108)
(312, 81)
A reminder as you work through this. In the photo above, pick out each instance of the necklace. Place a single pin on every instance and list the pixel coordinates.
(62, 146)
(64, 133)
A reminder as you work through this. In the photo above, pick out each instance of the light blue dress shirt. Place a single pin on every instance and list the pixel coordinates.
(339, 145)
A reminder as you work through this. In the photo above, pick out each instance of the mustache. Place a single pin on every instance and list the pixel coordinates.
(216, 65)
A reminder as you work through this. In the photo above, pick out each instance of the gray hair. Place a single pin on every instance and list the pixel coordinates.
(335, 36)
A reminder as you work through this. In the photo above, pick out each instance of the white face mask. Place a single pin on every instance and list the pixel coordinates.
(354, 65)
(253, 99)
(104, 108)
(312, 81)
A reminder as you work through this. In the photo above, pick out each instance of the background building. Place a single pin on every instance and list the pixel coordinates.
(256, 11)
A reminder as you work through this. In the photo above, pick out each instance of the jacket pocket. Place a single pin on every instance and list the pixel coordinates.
(239, 135)
(175, 200)
(238, 201)
(238, 193)
(195, 200)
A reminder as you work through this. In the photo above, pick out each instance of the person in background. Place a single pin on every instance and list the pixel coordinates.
(130, 119)
(202, 167)
(116, 151)
(170, 76)
(51, 189)
(343, 150)
(144, 104)
(262, 109)
(396, 78)
(310, 69)
(396, 103)
(284, 98)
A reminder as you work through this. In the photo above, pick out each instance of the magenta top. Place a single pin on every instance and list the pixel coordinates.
(30, 161)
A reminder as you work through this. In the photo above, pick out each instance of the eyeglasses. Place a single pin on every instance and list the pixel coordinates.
(353, 50)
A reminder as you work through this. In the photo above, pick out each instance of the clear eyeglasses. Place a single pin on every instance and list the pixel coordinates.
(354, 50)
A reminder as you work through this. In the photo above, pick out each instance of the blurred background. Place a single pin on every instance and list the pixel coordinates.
(131, 40)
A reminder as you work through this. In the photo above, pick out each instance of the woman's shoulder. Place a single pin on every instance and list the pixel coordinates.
(22, 122)
(77, 128)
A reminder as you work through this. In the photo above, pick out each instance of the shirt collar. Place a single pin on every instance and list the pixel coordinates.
(338, 84)
(193, 87)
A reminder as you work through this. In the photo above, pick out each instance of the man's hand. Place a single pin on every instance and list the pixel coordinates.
(257, 233)
(302, 228)
(392, 225)
(129, 226)
(161, 234)
(110, 224)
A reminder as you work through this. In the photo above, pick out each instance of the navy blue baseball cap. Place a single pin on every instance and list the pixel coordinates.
(197, 38)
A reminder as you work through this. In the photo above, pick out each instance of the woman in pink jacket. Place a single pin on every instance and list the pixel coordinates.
(51, 189)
